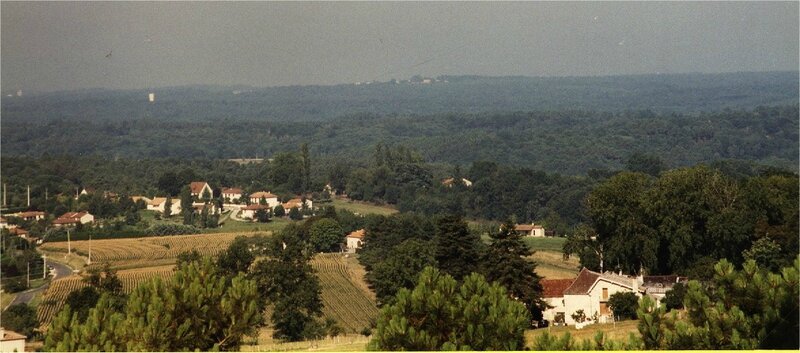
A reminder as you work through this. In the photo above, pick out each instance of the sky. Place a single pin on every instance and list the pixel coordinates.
(66, 45)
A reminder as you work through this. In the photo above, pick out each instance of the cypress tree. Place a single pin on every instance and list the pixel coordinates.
(457, 249)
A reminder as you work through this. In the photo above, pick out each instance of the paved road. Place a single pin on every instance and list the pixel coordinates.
(60, 270)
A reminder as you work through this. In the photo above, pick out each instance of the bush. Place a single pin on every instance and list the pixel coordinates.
(15, 285)
(20, 318)
(624, 305)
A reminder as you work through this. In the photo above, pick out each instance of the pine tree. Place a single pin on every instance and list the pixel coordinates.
(505, 262)
(457, 250)
(438, 314)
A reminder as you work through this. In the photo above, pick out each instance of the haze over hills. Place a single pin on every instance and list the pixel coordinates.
(452, 94)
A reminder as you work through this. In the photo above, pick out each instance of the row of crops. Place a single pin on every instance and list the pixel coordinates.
(150, 251)
(54, 297)
(344, 301)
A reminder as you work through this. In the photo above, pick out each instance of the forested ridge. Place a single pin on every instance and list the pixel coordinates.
(570, 142)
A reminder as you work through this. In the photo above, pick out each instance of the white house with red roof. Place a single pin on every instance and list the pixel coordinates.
(4, 224)
(231, 194)
(297, 203)
(272, 200)
(29, 215)
(198, 188)
(159, 204)
(73, 218)
(249, 211)
(530, 230)
(355, 240)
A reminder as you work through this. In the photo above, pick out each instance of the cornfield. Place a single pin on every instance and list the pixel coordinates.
(344, 293)
(54, 297)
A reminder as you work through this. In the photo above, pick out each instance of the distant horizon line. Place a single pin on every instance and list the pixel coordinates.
(352, 83)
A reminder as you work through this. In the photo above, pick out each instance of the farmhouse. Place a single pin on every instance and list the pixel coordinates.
(73, 218)
(231, 194)
(449, 182)
(249, 211)
(530, 230)
(11, 341)
(22, 233)
(591, 290)
(201, 188)
(136, 199)
(355, 240)
(29, 215)
(296, 202)
(272, 200)
(158, 203)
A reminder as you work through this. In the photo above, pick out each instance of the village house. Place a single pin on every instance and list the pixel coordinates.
(199, 188)
(73, 218)
(355, 240)
(298, 203)
(198, 207)
(530, 230)
(4, 224)
(158, 203)
(591, 290)
(11, 341)
(29, 215)
(22, 233)
(136, 199)
(231, 194)
(86, 191)
(272, 200)
(249, 211)
(449, 182)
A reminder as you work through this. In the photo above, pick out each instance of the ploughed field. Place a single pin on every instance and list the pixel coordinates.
(346, 297)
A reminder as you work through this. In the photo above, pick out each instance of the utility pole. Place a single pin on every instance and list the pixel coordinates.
(44, 266)
(5, 194)
(69, 246)
(90, 249)
(29, 273)
(29, 196)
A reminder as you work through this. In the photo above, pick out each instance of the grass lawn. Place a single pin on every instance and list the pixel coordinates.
(360, 207)
(343, 343)
(618, 331)
(5, 299)
(554, 244)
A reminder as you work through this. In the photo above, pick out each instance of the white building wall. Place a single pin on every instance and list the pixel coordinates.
(12, 346)
(557, 306)
(353, 244)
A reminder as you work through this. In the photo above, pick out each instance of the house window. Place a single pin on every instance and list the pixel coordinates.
(605, 293)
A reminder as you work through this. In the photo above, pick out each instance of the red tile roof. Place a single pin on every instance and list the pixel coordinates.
(231, 191)
(197, 186)
(583, 283)
(526, 227)
(18, 231)
(359, 234)
(28, 214)
(9, 335)
(554, 288)
(264, 194)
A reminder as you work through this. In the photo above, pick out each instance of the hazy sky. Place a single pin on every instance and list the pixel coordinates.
(57, 46)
